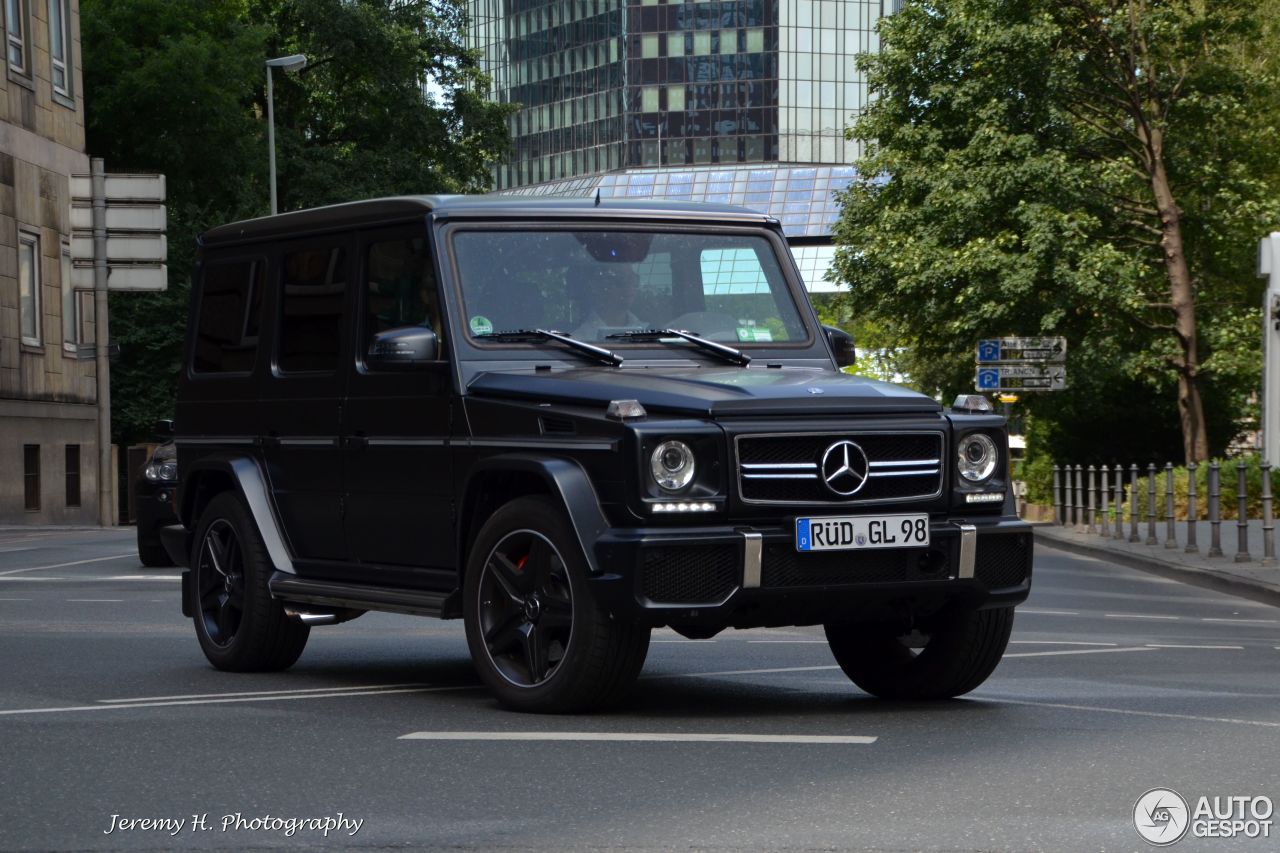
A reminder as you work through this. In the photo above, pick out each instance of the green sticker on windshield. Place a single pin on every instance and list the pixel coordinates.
(754, 334)
(480, 325)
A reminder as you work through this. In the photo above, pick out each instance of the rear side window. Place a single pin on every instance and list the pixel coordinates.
(230, 311)
(313, 295)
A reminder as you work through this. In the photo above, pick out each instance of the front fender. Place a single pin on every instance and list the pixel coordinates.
(564, 479)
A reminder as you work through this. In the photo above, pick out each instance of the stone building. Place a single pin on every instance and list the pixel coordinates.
(48, 405)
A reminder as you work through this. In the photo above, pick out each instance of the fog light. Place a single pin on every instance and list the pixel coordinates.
(685, 506)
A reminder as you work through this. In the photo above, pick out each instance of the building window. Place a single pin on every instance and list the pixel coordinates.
(17, 44)
(71, 321)
(31, 476)
(73, 475)
(29, 286)
(60, 45)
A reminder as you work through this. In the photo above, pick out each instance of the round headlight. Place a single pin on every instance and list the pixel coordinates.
(976, 457)
(672, 465)
(161, 471)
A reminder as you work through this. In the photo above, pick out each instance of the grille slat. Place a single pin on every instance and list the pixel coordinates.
(786, 469)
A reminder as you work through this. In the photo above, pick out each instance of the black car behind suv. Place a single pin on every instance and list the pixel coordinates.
(568, 422)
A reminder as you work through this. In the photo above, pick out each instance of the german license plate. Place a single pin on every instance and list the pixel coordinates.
(858, 532)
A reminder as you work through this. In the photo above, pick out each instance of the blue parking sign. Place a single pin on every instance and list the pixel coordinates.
(988, 350)
(988, 379)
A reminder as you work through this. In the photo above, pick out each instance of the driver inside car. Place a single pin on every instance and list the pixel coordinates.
(609, 296)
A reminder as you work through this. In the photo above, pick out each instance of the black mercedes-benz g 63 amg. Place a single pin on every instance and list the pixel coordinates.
(568, 422)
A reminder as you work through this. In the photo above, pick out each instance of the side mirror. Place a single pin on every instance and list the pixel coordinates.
(405, 347)
(164, 429)
(842, 346)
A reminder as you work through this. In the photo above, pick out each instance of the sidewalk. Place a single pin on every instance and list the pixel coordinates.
(1250, 579)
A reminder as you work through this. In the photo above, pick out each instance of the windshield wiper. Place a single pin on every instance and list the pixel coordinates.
(530, 335)
(727, 353)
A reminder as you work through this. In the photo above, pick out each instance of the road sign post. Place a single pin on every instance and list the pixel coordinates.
(1269, 266)
(117, 243)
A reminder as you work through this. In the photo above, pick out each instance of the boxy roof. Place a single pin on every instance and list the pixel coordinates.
(400, 208)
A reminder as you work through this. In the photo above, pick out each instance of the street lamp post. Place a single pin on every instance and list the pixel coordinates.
(295, 62)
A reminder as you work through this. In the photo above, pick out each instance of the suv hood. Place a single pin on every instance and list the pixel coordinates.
(712, 392)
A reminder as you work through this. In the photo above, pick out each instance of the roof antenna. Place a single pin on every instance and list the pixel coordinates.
(597, 196)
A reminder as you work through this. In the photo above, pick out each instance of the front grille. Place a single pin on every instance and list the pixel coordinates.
(787, 469)
(783, 566)
(1003, 561)
(703, 574)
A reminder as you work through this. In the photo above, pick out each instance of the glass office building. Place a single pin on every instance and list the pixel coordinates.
(681, 99)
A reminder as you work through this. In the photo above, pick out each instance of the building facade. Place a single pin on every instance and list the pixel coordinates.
(48, 405)
(740, 101)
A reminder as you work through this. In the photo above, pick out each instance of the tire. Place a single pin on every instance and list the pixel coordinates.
(961, 649)
(150, 552)
(241, 628)
(537, 638)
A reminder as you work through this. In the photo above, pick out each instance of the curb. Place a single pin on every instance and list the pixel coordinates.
(1225, 582)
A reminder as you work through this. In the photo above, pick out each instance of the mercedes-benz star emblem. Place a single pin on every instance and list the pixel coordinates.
(844, 468)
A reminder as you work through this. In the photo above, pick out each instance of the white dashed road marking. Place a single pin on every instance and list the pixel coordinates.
(1130, 712)
(1079, 652)
(133, 554)
(260, 693)
(235, 699)
(641, 737)
(1172, 646)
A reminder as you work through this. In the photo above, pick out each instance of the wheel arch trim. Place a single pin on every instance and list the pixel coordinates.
(566, 481)
(251, 483)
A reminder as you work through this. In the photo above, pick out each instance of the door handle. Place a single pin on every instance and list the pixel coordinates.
(357, 442)
(269, 442)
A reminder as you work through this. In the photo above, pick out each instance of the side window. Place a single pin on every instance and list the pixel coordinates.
(230, 308)
(400, 287)
(312, 299)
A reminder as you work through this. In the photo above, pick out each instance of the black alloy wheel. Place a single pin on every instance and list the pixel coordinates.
(241, 628)
(538, 638)
(220, 582)
(526, 608)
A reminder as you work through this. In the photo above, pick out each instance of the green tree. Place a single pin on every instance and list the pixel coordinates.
(387, 105)
(1092, 168)
(171, 88)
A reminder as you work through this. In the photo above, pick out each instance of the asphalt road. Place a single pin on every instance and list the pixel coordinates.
(1116, 682)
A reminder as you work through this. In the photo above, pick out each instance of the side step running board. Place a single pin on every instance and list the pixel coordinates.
(335, 594)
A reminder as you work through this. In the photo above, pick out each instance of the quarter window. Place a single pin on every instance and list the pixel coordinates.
(230, 307)
(312, 298)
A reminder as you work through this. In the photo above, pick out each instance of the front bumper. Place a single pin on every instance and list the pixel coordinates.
(745, 576)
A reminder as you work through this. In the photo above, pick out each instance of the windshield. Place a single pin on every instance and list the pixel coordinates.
(591, 284)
